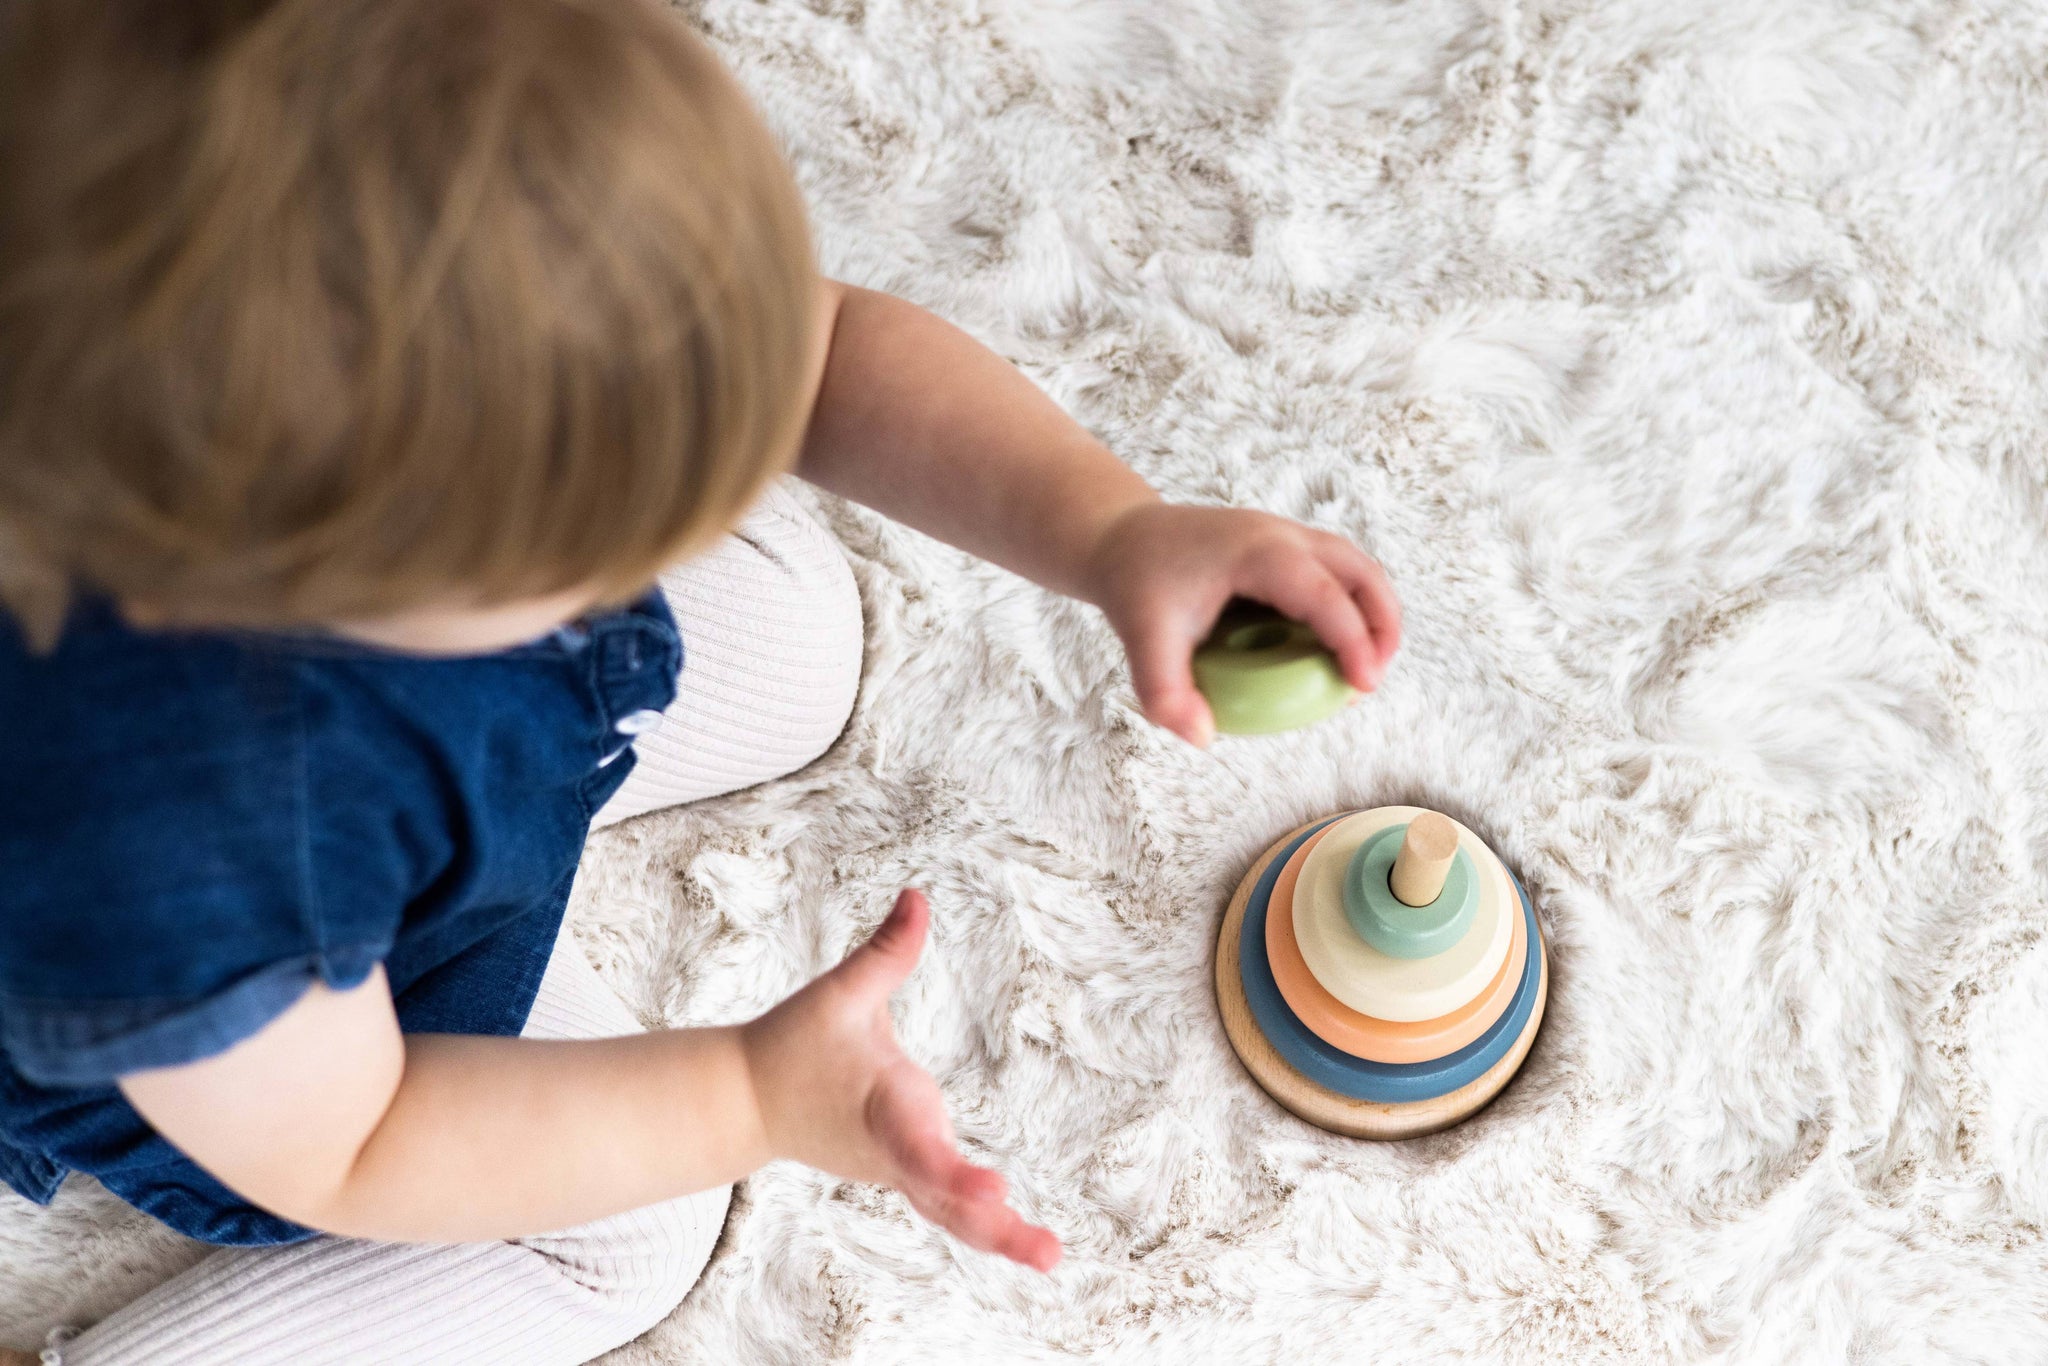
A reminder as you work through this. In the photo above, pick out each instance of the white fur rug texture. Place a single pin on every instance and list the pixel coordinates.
(1685, 366)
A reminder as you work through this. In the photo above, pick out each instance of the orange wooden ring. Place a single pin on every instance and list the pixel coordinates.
(1362, 1036)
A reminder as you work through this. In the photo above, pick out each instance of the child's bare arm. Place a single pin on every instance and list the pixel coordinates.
(919, 421)
(331, 1117)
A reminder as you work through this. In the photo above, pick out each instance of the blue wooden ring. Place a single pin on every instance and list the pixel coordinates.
(1390, 924)
(1331, 1067)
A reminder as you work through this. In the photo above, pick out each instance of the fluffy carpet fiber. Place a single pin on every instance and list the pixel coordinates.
(1684, 365)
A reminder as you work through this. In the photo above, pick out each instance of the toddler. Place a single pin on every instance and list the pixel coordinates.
(366, 367)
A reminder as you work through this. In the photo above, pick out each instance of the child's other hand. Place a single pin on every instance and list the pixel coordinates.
(1162, 572)
(837, 1093)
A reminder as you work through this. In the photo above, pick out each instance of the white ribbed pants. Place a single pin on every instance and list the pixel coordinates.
(772, 639)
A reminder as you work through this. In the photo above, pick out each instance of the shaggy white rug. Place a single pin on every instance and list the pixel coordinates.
(1684, 366)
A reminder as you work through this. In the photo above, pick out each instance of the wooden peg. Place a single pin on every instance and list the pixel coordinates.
(1424, 860)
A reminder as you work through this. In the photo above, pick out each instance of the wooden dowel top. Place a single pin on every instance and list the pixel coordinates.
(1424, 860)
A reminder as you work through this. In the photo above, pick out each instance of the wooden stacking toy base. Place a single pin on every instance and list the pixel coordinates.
(1317, 1103)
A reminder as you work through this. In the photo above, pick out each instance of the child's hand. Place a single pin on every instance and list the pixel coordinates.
(1162, 571)
(837, 1093)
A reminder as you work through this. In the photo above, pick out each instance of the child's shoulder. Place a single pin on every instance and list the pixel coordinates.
(134, 753)
(182, 813)
(169, 769)
(129, 757)
(111, 709)
(193, 823)
(110, 691)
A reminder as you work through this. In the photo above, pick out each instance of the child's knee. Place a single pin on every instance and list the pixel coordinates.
(637, 1267)
(801, 669)
(772, 643)
(663, 1254)
(814, 597)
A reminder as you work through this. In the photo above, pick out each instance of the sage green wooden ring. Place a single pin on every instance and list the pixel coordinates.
(1390, 924)
(1263, 673)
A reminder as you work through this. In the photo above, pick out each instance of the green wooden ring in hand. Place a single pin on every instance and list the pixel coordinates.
(1264, 673)
(1390, 924)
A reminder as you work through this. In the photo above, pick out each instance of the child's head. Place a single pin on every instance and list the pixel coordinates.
(321, 310)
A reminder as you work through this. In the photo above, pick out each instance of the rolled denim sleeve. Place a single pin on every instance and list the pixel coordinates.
(91, 1043)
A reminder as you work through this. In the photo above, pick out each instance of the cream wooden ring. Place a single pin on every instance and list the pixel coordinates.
(1403, 990)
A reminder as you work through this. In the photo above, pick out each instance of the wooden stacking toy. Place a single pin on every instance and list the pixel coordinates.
(1380, 972)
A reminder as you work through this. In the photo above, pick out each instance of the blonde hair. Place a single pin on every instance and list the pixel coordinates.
(322, 309)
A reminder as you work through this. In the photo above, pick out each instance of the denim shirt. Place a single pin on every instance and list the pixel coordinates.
(196, 827)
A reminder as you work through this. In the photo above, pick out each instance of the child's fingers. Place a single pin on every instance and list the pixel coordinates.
(979, 1183)
(913, 1127)
(1300, 586)
(885, 961)
(1163, 675)
(985, 1223)
(1031, 1245)
(909, 1117)
(991, 1226)
(1366, 581)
